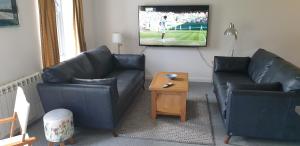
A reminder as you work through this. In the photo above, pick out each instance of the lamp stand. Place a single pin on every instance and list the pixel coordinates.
(233, 48)
(119, 46)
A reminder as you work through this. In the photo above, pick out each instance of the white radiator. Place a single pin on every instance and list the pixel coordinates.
(8, 96)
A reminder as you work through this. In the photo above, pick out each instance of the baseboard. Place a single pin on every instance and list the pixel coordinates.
(201, 79)
(192, 79)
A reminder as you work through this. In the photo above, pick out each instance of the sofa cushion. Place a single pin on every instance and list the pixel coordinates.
(79, 67)
(261, 87)
(129, 61)
(260, 64)
(102, 61)
(127, 80)
(276, 86)
(220, 80)
(285, 73)
(231, 64)
(106, 82)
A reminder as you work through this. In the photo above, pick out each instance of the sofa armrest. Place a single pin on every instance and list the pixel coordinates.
(262, 113)
(92, 105)
(130, 61)
(231, 64)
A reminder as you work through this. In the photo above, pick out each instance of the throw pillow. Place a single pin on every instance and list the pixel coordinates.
(105, 81)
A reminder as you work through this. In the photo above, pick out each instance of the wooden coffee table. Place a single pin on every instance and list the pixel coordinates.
(172, 100)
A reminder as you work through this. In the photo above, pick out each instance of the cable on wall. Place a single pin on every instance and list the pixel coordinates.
(204, 59)
(143, 50)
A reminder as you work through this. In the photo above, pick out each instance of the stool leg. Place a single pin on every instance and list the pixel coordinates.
(50, 144)
(227, 139)
(114, 133)
(71, 140)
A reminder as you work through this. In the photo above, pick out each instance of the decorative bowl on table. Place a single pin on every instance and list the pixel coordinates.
(171, 76)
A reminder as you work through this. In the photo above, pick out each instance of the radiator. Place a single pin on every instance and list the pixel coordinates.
(8, 96)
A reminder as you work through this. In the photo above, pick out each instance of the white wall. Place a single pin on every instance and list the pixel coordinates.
(19, 45)
(89, 23)
(270, 24)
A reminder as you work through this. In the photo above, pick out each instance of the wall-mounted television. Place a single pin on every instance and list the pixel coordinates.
(173, 26)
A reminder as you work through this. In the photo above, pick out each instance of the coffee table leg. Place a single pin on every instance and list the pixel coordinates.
(183, 110)
(153, 104)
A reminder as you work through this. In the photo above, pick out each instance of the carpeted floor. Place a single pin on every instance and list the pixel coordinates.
(137, 123)
(89, 137)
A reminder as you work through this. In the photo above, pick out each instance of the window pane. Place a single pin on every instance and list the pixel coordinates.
(65, 29)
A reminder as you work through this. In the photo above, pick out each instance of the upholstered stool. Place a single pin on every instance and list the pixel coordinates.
(58, 126)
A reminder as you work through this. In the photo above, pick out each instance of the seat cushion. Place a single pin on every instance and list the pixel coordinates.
(276, 86)
(112, 82)
(220, 80)
(102, 61)
(285, 73)
(78, 67)
(260, 64)
(127, 80)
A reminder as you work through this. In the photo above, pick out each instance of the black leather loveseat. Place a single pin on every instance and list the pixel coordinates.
(96, 86)
(257, 96)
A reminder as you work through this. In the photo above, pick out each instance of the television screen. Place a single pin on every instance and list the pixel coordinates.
(173, 26)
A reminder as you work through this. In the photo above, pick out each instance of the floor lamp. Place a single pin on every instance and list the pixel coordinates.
(231, 31)
(117, 39)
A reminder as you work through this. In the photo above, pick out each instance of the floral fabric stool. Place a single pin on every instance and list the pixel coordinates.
(58, 126)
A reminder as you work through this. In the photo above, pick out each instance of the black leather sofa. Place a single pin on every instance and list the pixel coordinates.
(258, 96)
(94, 105)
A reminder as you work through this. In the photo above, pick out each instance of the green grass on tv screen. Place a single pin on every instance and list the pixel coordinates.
(174, 38)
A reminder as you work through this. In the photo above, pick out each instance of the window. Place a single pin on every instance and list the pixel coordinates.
(65, 29)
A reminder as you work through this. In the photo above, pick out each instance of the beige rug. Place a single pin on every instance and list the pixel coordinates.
(197, 129)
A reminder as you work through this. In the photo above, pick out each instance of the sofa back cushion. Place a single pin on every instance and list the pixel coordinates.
(285, 73)
(102, 60)
(78, 67)
(260, 63)
(129, 61)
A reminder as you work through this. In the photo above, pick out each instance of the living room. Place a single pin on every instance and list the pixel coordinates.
(140, 69)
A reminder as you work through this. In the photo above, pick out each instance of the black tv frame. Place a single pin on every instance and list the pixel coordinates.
(208, 9)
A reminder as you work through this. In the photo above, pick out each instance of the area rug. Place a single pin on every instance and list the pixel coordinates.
(137, 123)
